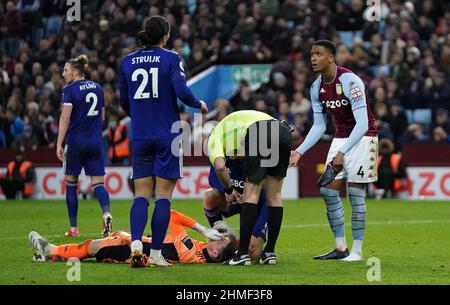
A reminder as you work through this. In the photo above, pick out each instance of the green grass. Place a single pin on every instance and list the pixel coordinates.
(411, 239)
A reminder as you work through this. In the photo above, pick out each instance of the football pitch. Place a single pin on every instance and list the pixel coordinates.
(407, 242)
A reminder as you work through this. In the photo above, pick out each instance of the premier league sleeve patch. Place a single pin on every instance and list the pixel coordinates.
(356, 92)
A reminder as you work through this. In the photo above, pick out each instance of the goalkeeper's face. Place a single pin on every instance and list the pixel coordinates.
(321, 58)
(221, 250)
(215, 247)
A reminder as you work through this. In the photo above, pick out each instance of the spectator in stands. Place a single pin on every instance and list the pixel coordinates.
(19, 179)
(33, 119)
(32, 19)
(284, 113)
(414, 134)
(384, 129)
(3, 123)
(391, 171)
(441, 120)
(300, 104)
(261, 105)
(440, 136)
(118, 140)
(397, 120)
(406, 57)
(12, 126)
(244, 99)
(48, 123)
(221, 110)
(438, 95)
(11, 29)
(26, 141)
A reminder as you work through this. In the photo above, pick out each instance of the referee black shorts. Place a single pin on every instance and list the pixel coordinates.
(261, 145)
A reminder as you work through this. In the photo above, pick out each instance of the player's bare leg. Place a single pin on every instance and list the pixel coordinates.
(139, 218)
(336, 219)
(273, 192)
(160, 219)
(72, 204)
(100, 192)
(213, 203)
(356, 195)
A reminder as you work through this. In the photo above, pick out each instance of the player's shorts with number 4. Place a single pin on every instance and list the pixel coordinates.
(360, 163)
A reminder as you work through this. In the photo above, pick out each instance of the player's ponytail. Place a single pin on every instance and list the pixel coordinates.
(154, 29)
(80, 63)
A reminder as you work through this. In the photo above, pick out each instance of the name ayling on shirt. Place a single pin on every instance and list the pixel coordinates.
(88, 86)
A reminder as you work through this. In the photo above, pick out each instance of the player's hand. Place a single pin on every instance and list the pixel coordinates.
(224, 228)
(294, 158)
(214, 234)
(338, 161)
(204, 107)
(221, 226)
(60, 153)
(233, 197)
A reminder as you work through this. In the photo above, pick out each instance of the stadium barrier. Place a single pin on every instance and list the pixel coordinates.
(50, 183)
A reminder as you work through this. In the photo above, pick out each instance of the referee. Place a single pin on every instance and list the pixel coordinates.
(265, 144)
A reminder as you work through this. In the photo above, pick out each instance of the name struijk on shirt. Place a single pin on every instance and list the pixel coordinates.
(141, 59)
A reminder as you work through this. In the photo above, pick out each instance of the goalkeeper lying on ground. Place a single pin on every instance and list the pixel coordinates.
(178, 247)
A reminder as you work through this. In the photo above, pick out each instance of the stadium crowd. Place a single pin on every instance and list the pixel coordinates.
(404, 59)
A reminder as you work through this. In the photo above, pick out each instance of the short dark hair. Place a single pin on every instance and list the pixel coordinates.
(327, 44)
(229, 250)
(154, 29)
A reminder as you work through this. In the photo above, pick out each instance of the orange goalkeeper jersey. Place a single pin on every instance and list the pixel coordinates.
(177, 247)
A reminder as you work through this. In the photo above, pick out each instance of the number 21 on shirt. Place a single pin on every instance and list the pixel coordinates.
(140, 93)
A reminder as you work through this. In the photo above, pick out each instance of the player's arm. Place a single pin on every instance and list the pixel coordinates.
(123, 89)
(64, 123)
(179, 220)
(178, 78)
(217, 159)
(354, 90)
(224, 177)
(317, 130)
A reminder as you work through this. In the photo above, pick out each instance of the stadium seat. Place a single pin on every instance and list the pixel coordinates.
(421, 116)
(347, 37)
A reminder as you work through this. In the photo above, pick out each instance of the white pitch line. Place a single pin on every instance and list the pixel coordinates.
(312, 225)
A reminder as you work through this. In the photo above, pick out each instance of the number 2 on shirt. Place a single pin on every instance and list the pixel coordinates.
(92, 97)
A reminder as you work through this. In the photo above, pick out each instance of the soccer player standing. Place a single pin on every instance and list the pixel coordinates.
(353, 151)
(81, 120)
(151, 79)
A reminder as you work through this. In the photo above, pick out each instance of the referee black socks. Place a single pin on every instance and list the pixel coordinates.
(273, 227)
(249, 216)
